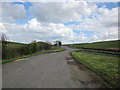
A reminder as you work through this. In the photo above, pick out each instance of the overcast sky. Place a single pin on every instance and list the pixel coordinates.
(69, 22)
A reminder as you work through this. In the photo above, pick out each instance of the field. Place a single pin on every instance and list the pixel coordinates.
(105, 66)
(106, 44)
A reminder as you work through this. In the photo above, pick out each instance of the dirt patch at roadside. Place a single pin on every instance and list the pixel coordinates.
(21, 59)
(85, 77)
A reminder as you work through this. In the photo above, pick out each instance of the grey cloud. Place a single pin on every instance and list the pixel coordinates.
(11, 12)
(60, 12)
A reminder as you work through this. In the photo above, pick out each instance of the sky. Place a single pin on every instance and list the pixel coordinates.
(69, 22)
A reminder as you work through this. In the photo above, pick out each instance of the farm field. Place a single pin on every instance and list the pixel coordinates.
(105, 66)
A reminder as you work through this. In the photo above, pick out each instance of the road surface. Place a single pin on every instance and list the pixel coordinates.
(52, 70)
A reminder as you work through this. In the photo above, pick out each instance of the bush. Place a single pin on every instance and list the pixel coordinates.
(13, 50)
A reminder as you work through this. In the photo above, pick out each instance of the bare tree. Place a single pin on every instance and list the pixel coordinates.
(4, 41)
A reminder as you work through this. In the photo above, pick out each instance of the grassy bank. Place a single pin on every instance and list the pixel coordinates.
(105, 44)
(56, 49)
(111, 47)
(13, 50)
(105, 66)
(102, 51)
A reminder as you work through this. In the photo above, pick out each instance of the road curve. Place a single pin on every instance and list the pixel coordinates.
(45, 71)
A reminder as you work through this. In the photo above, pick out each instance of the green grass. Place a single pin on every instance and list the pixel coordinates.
(102, 51)
(105, 44)
(56, 49)
(14, 50)
(15, 44)
(105, 66)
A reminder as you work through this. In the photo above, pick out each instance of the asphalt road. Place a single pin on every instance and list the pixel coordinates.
(46, 71)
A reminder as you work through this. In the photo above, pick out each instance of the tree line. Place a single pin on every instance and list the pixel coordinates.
(12, 50)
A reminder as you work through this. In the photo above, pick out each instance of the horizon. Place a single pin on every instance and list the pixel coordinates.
(62, 43)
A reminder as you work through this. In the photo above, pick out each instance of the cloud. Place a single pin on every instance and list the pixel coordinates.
(2, 29)
(11, 12)
(104, 36)
(62, 12)
(35, 30)
(59, 0)
(78, 12)
(103, 20)
(49, 18)
(50, 29)
(88, 15)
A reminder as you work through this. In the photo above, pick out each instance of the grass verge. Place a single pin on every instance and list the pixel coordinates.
(104, 44)
(100, 51)
(57, 49)
(105, 66)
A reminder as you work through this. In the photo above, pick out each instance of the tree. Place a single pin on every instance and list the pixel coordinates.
(34, 46)
(58, 43)
(4, 41)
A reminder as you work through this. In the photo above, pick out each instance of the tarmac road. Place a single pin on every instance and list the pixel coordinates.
(47, 71)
